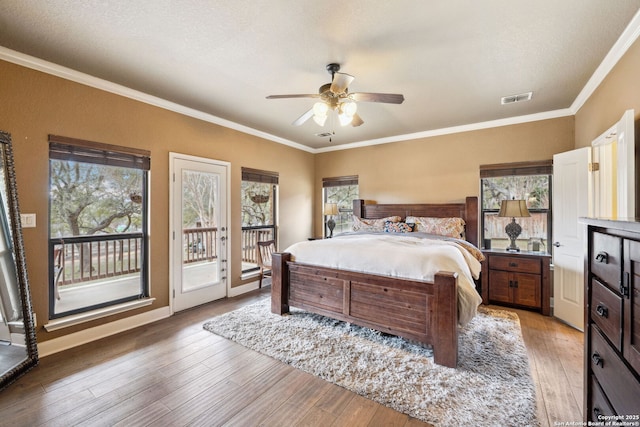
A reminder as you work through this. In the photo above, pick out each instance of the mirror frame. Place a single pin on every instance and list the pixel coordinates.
(31, 358)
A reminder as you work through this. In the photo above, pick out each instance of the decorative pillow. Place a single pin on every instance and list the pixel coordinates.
(361, 224)
(398, 227)
(449, 227)
(477, 253)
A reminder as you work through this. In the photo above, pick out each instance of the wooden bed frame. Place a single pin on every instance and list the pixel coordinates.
(416, 310)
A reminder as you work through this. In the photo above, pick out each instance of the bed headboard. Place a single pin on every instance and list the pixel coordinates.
(467, 211)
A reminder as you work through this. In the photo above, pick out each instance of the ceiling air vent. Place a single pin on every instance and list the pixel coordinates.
(516, 98)
(324, 134)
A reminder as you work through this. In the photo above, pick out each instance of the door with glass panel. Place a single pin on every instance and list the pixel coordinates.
(199, 232)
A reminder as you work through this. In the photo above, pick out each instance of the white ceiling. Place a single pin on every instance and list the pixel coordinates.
(453, 60)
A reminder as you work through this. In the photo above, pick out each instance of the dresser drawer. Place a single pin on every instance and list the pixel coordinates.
(606, 262)
(598, 404)
(515, 264)
(606, 310)
(617, 381)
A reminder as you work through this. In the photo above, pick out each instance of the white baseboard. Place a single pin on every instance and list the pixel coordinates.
(243, 289)
(75, 339)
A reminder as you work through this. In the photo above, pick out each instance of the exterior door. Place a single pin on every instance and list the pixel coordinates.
(198, 205)
(570, 202)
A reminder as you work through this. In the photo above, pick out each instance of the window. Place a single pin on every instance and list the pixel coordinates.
(529, 181)
(259, 191)
(97, 225)
(341, 190)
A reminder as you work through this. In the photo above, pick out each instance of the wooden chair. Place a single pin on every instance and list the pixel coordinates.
(264, 250)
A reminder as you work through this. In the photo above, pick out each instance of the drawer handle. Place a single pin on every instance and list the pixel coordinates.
(602, 311)
(598, 360)
(513, 264)
(602, 257)
(624, 285)
(513, 283)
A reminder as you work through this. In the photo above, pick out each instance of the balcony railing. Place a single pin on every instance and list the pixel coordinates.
(199, 244)
(85, 258)
(252, 235)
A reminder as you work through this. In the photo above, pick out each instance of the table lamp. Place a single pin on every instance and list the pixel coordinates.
(330, 209)
(513, 209)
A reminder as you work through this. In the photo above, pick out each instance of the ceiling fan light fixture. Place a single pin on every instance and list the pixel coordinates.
(320, 109)
(349, 108)
(346, 111)
(320, 120)
(344, 119)
(337, 97)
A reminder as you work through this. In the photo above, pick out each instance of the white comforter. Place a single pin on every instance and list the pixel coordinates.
(397, 255)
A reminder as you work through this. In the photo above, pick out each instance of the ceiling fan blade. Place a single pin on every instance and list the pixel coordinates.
(303, 118)
(298, 95)
(356, 121)
(389, 98)
(341, 82)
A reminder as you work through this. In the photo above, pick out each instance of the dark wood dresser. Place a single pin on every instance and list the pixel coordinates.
(612, 322)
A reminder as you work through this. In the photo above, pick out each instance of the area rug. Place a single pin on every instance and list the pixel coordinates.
(492, 385)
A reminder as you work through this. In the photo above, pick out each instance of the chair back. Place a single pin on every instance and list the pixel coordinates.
(265, 249)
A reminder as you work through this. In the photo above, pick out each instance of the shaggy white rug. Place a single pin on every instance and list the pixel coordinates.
(491, 387)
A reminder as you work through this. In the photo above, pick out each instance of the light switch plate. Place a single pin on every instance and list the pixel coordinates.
(28, 220)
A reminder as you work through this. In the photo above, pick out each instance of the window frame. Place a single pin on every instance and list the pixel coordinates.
(338, 181)
(265, 177)
(63, 148)
(538, 167)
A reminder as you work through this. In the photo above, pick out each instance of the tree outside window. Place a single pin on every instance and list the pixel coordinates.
(89, 199)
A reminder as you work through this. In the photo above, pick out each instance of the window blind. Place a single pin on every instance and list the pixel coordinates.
(65, 148)
(257, 175)
(340, 181)
(538, 167)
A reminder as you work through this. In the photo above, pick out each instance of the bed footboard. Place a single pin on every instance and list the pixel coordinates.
(280, 283)
(421, 311)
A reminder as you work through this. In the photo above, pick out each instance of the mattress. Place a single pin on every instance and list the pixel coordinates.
(416, 256)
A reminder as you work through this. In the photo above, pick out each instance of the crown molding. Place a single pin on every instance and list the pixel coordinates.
(454, 129)
(95, 82)
(626, 39)
(620, 47)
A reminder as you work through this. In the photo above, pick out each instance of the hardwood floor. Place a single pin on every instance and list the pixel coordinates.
(173, 372)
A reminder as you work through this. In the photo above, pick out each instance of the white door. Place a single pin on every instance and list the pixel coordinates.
(199, 239)
(613, 180)
(570, 202)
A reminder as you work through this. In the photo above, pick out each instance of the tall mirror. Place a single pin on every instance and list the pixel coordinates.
(18, 349)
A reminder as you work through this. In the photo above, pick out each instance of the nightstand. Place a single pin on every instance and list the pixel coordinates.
(518, 279)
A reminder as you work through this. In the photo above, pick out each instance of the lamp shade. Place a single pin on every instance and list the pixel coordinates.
(331, 209)
(514, 209)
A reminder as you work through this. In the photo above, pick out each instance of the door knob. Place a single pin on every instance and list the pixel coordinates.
(556, 244)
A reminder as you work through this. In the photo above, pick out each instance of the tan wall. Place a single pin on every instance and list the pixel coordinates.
(619, 91)
(35, 105)
(443, 168)
(436, 169)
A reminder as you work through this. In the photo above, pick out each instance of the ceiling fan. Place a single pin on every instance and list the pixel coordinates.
(336, 96)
